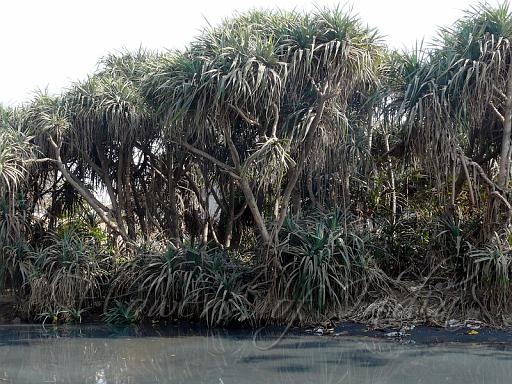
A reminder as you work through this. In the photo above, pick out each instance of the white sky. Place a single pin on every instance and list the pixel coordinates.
(50, 43)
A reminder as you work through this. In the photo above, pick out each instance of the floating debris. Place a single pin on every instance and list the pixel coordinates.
(397, 334)
(320, 331)
(474, 324)
(471, 324)
(452, 323)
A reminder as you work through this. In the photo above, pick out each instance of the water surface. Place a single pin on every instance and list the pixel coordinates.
(103, 355)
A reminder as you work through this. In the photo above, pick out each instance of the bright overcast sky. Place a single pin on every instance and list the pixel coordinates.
(51, 43)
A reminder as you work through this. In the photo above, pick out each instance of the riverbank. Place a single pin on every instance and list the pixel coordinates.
(423, 334)
(470, 331)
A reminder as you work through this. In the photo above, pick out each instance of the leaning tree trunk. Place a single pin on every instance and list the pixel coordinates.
(505, 141)
(102, 211)
(391, 175)
(294, 173)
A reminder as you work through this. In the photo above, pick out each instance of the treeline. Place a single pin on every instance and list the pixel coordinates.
(286, 166)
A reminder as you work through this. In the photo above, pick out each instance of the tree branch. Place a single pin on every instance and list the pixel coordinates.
(294, 172)
(496, 112)
(247, 119)
(229, 169)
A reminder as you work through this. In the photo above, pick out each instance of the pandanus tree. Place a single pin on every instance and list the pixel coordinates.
(17, 159)
(102, 146)
(91, 135)
(17, 155)
(264, 96)
(323, 167)
(458, 109)
(16, 150)
(104, 142)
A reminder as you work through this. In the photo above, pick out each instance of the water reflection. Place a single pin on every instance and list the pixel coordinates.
(103, 355)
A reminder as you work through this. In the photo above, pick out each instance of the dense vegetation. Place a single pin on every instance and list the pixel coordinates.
(286, 166)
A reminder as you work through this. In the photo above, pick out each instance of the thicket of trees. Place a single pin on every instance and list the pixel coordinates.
(285, 166)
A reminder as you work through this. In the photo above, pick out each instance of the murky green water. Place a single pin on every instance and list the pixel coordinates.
(103, 355)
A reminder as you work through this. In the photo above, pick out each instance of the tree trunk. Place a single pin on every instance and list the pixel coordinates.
(391, 174)
(295, 172)
(504, 168)
(246, 188)
(127, 185)
(251, 203)
(173, 209)
(231, 216)
(95, 204)
(104, 163)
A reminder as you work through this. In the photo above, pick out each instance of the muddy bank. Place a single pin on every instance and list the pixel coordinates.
(423, 334)
(465, 332)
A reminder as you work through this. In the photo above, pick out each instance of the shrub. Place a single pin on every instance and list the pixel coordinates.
(323, 267)
(120, 314)
(490, 270)
(67, 272)
(189, 282)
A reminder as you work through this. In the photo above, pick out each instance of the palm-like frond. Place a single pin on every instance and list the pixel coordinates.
(16, 149)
